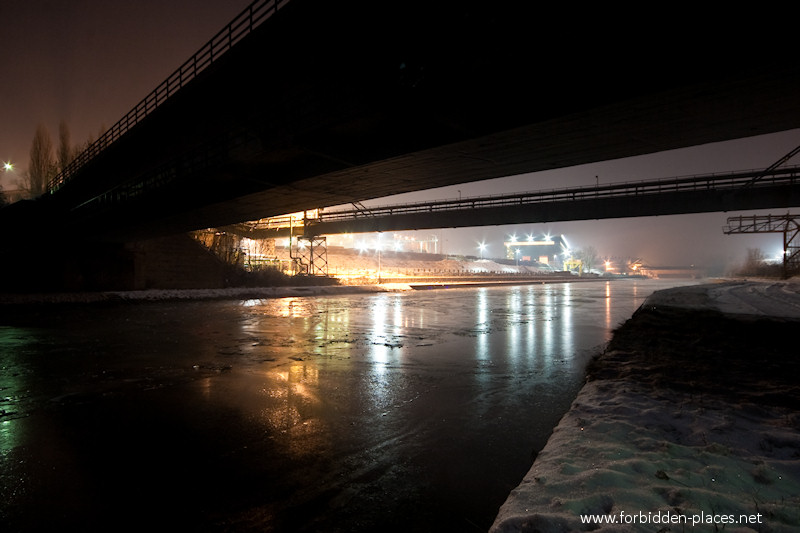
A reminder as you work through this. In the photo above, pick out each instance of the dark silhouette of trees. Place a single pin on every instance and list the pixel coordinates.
(42, 167)
(66, 152)
(44, 163)
(588, 257)
(756, 264)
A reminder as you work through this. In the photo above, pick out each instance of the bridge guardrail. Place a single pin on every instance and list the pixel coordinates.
(236, 30)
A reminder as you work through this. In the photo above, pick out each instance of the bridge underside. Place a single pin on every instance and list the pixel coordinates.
(335, 102)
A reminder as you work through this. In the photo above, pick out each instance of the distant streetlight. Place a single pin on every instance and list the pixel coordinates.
(482, 248)
(8, 166)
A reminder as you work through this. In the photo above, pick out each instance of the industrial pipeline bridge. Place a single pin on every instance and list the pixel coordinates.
(753, 189)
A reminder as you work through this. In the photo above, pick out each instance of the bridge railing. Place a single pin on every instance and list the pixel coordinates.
(717, 182)
(762, 223)
(241, 26)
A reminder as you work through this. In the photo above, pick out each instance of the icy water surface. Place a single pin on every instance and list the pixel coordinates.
(414, 411)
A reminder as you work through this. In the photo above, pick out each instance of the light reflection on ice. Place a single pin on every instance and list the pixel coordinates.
(398, 313)
(378, 349)
(295, 307)
(518, 331)
(289, 393)
(547, 324)
(512, 338)
(483, 326)
(567, 328)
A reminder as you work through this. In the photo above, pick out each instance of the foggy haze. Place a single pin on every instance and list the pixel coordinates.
(675, 240)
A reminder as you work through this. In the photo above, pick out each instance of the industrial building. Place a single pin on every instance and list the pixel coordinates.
(544, 249)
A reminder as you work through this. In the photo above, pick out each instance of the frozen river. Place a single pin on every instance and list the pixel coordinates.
(407, 411)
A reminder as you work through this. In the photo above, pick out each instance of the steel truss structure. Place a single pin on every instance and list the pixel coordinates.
(787, 224)
(311, 256)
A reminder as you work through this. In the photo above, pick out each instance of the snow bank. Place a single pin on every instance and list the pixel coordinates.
(651, 452)
(765, 299)
(242, 293)
(624, 450)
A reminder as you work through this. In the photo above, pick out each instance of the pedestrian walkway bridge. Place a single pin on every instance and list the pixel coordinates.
(754, 189)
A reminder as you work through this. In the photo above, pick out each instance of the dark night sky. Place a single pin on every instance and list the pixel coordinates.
(88, 62)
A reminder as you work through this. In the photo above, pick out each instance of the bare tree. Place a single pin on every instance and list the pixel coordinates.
(100, 133)
(42, 166)
(588, 257)
(755, 264)
(66, 152)
(755, 257)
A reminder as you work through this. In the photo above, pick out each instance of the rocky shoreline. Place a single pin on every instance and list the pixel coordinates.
(689, 420)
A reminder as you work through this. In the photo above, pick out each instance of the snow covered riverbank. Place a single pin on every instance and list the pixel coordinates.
(688, 422)
(242, 293)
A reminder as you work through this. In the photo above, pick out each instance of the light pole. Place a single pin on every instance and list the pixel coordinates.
(7, 167)
(379, 246)
(481, 247)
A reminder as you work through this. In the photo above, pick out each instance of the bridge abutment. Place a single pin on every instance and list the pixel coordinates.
(175, 262)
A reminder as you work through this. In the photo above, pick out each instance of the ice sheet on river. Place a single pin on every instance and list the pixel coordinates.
(653, 453)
